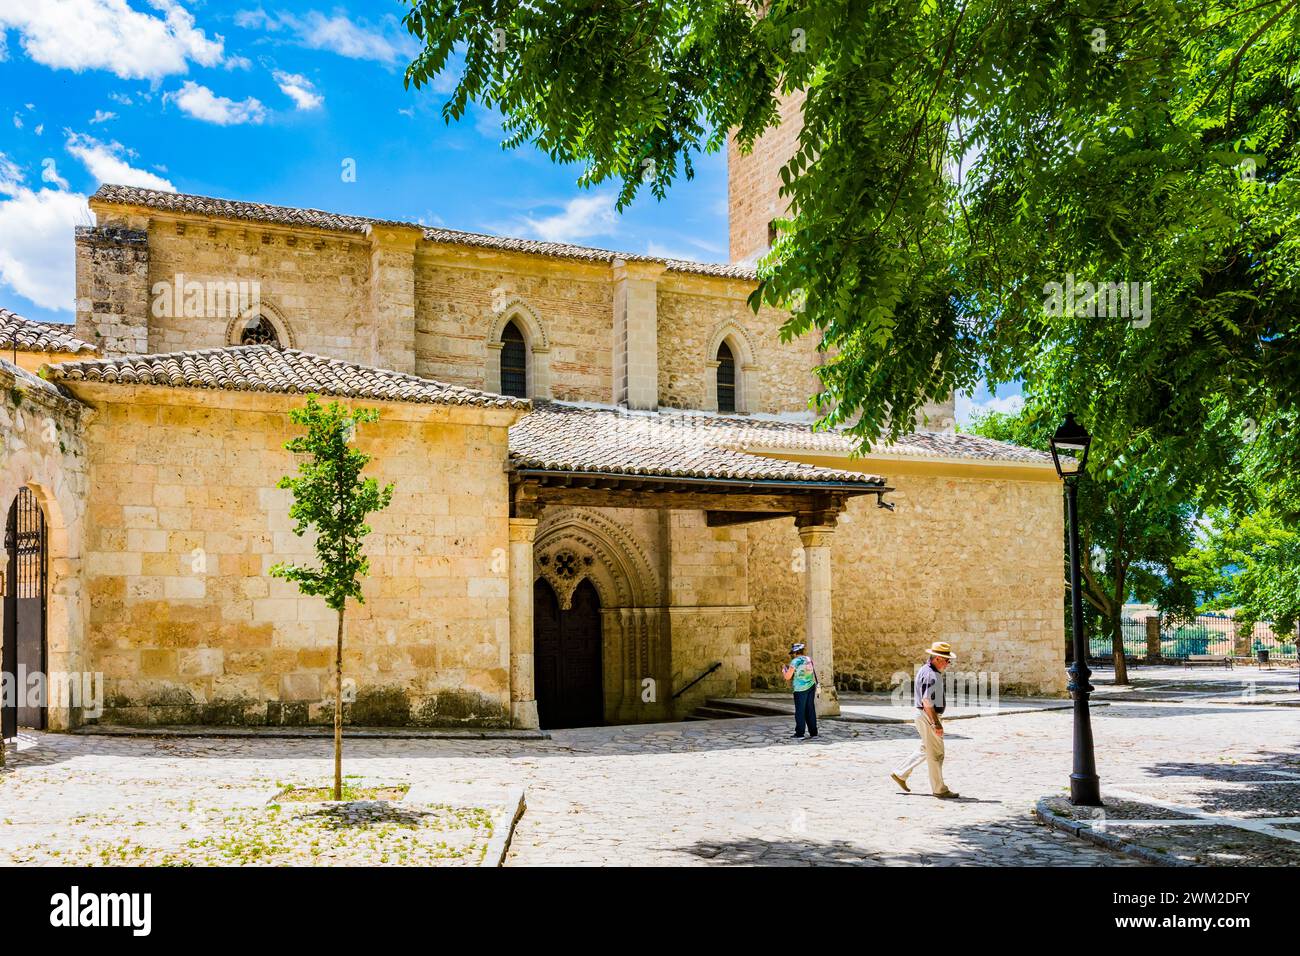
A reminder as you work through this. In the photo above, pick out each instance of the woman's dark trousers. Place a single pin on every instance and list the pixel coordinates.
(805, 711)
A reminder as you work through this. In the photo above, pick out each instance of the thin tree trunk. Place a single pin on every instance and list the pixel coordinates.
(338, 712)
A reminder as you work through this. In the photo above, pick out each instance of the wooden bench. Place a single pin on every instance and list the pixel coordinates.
(1192, 660)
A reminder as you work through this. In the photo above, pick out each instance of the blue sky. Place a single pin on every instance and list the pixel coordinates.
(275, 103)
(268, 103)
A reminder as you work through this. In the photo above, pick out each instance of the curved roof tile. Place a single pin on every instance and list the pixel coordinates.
(28, 335)
(265, 368)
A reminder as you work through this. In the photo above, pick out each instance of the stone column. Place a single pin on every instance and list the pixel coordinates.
(1154, 650)
(523, 703)
(391, 302)
(816, 540)
(1242, 644)
(636, 333)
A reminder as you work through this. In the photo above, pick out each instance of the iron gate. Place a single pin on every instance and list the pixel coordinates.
(24, 610)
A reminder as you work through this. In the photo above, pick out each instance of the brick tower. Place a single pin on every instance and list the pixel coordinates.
(754, 201)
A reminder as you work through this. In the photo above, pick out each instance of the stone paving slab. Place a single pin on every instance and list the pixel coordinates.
(272, 733)
(1159, 832)
(881, 708)
(703, 793)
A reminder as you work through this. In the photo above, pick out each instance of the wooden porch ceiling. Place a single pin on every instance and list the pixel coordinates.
(724, 501)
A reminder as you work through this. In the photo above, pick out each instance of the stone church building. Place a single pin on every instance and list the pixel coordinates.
(610, 503)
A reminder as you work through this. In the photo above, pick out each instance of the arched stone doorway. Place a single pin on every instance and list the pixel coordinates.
(26, 613)
(567, 657)
(577, 547)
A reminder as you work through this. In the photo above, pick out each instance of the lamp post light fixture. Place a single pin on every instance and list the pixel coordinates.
(1070, 455)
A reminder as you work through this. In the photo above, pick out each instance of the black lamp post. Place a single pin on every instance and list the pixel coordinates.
(1070, 455)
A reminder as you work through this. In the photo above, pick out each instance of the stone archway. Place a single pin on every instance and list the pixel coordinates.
(265, 312)
(567, 657)
(509, 310)
(577, 545)
(41, 450)
(741, 344)
(24, 643)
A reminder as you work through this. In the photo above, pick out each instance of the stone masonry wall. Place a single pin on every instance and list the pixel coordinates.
(754, 181)
(970, 561)
(459, 294)
(185, 522)
(316, 282)
(692, 312)
(709, 595)
(42, 449)
(112, 284)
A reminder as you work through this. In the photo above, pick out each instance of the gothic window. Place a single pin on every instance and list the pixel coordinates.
(259, 331)
(726, 379)
(514, 362)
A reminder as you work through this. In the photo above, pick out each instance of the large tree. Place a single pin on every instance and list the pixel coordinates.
(1132, 531)
(956, 158)
(1250, 564)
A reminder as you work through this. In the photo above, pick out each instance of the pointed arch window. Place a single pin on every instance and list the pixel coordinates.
(260, 331)
(726, 379)
(514, 362)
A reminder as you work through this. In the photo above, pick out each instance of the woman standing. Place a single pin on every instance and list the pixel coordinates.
(802, 676)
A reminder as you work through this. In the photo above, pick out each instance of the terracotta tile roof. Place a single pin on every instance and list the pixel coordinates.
(318, 219)
(33, 336)
(559, 437)
(264, 368)
(769, 434)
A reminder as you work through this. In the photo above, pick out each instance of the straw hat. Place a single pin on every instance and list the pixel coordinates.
(941, 649)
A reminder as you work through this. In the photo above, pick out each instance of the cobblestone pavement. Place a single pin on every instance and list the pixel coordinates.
(701, 793)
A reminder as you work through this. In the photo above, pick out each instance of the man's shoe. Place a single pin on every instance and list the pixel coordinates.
(948, 795)
(796, 736)
(901, 782)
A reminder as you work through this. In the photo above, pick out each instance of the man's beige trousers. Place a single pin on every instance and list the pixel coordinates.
(930, 752)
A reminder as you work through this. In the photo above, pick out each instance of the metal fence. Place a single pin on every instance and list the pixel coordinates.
(1206, 634)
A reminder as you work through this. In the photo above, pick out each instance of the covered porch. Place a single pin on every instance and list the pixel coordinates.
(574, 471)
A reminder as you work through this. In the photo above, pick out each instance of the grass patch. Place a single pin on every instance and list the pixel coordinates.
(351, 793)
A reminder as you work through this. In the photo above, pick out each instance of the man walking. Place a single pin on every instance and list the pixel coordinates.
(928, 698)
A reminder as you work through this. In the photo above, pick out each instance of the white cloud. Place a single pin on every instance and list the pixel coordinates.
(299, 89)
(36, 249)
(583, 216)
(109, 35)
(102, 116)
(201, 103)
(357, 40)
(10, 172)
(238, 63)
(122, 99)
(660, 251)
(40, 129)
(50, 174)
(968, 408)
(18, 121)
(106, 162)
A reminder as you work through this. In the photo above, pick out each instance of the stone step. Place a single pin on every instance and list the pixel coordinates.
(756, 707)
(714, 709)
